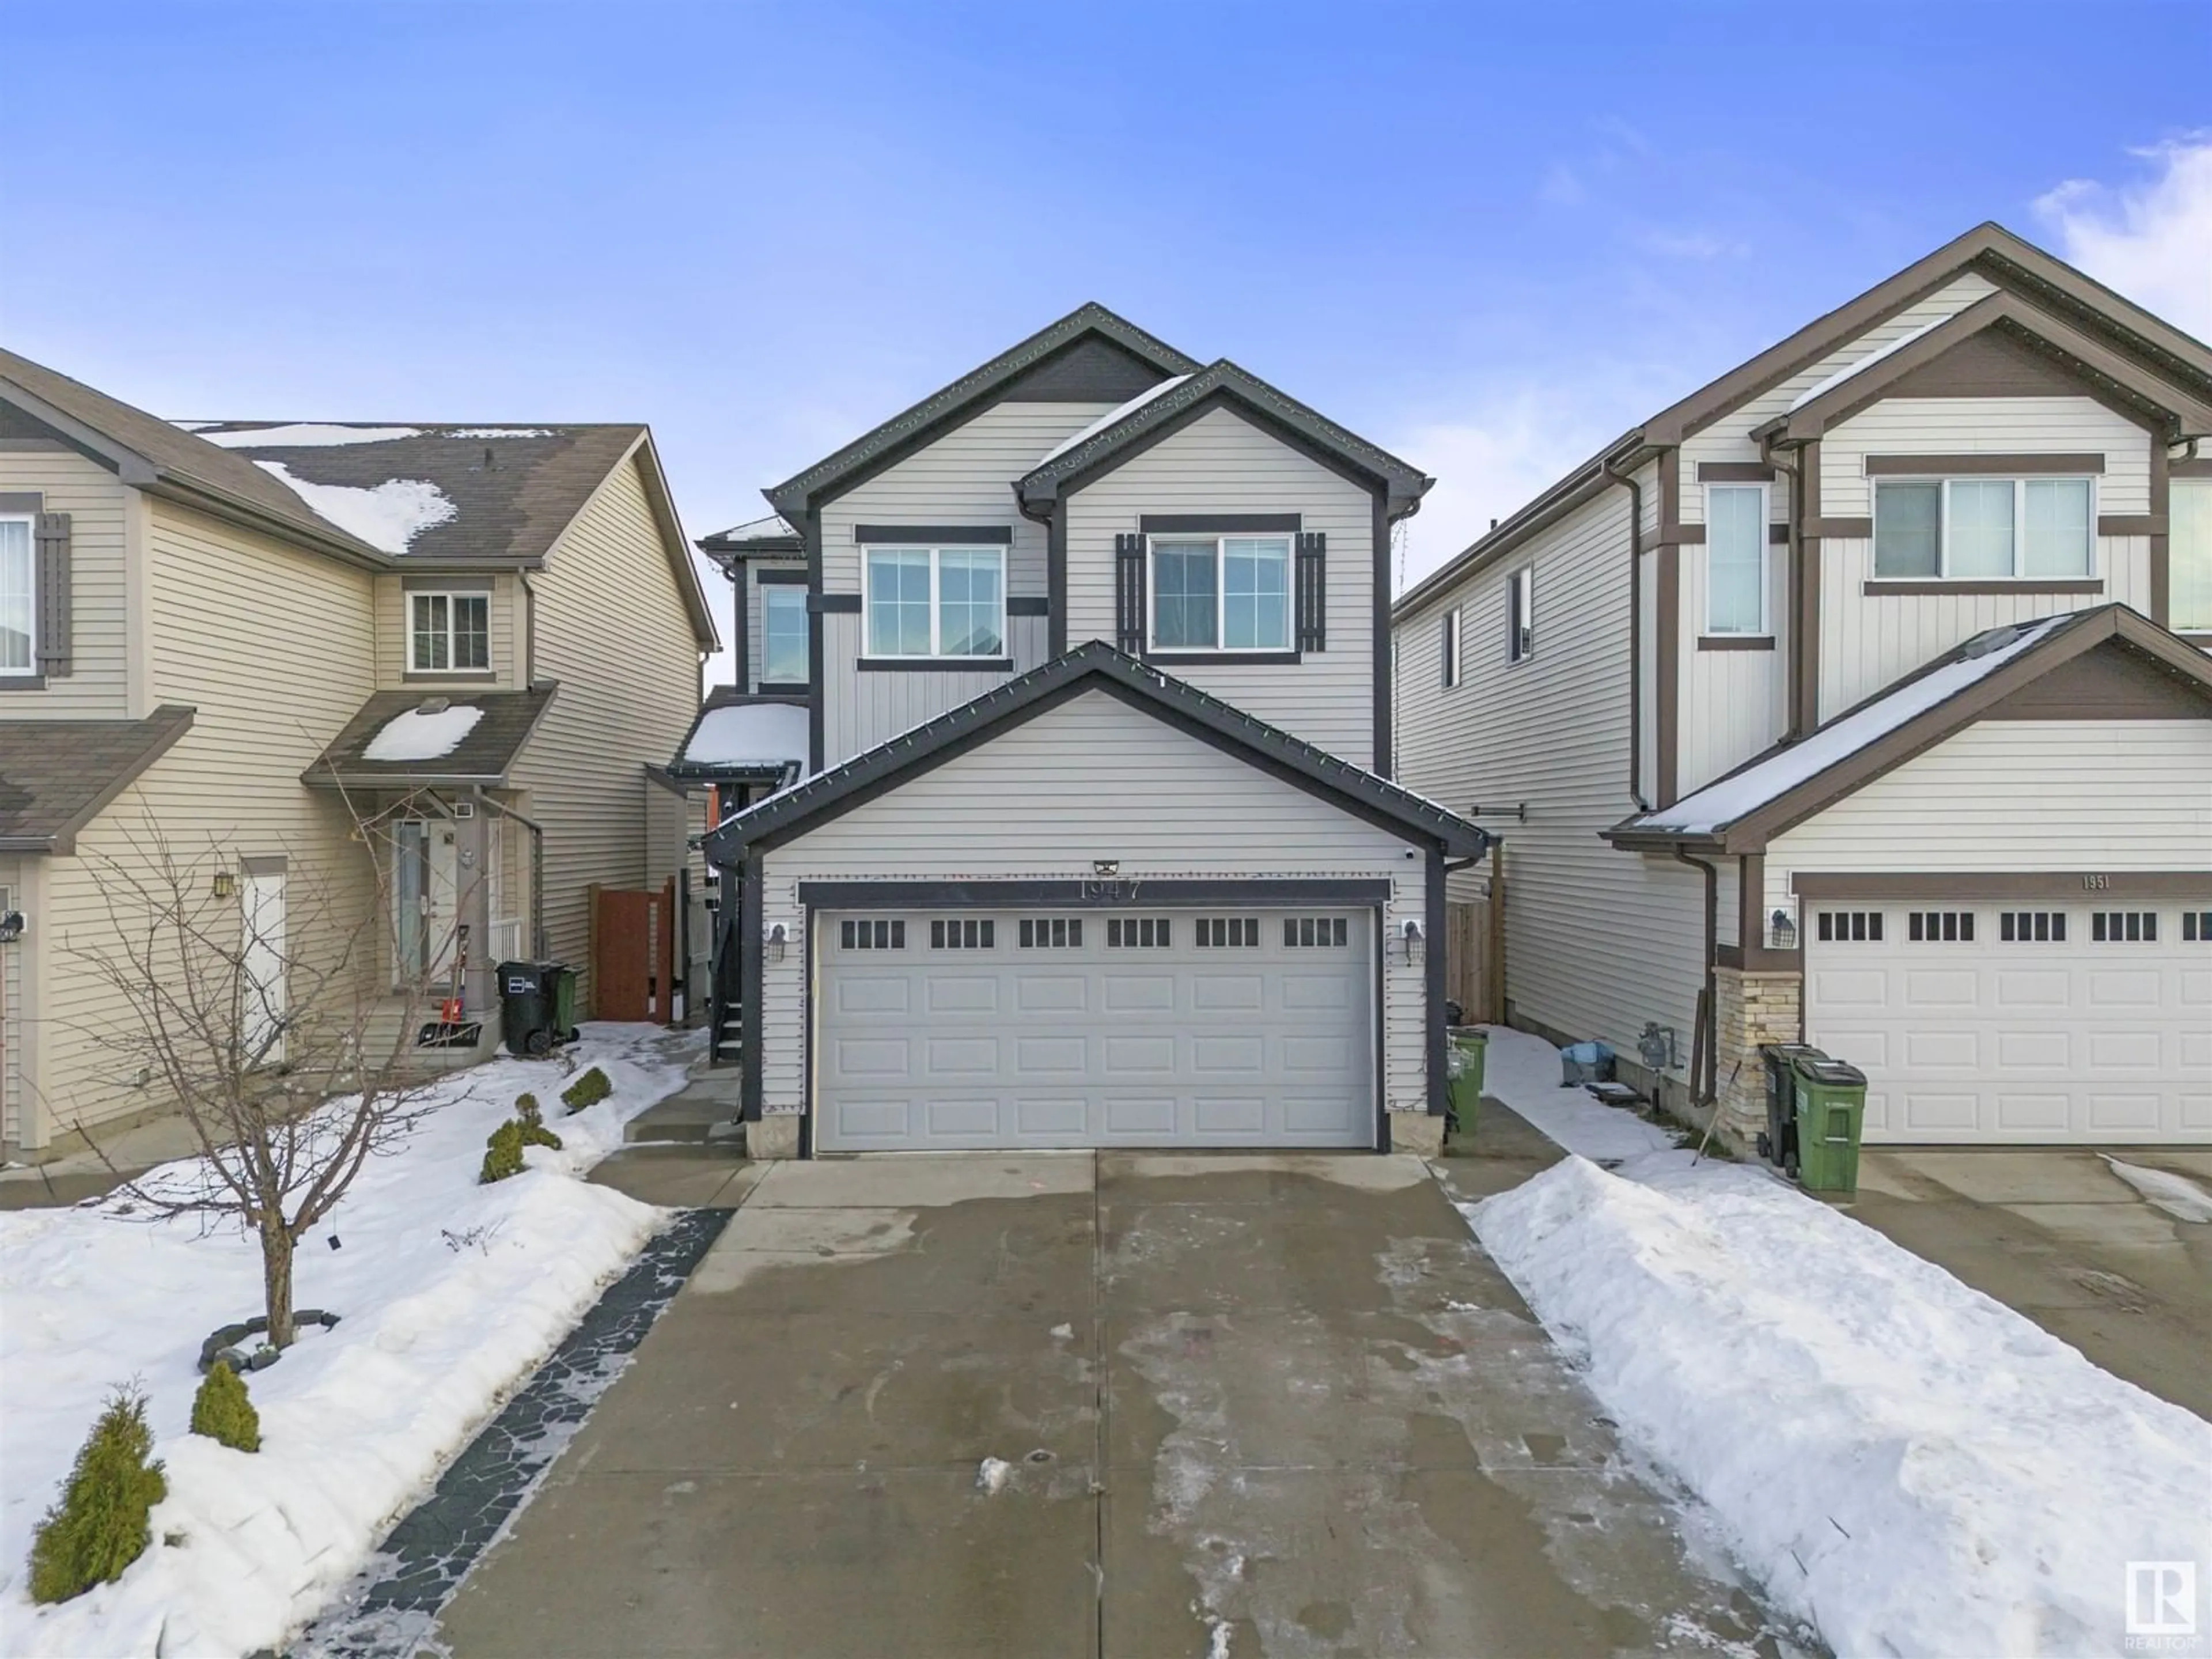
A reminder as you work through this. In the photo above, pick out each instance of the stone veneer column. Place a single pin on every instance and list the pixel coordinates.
(1754, 1009)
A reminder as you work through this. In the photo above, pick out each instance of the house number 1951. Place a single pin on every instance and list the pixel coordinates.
(2096, 884)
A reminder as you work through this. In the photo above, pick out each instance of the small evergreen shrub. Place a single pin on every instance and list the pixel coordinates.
(588, 1090)
(502, 1153)
(534, 1132)
(99, 1526)
(223, 1411)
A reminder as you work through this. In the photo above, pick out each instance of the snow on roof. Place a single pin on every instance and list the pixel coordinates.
(1824, 387)
(495, 431)
(386, 517)
(307, 435)
(1722, 802)
(418, 735)
(774, 524)
(742, 734)
(1105, 421)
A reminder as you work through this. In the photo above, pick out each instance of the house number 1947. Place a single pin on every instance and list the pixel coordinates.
(2096, 884)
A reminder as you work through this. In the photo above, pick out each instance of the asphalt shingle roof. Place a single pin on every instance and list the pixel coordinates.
(482, 756)
(55, 775)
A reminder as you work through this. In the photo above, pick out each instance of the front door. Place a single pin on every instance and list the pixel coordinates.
(426, 900)
(261, 895)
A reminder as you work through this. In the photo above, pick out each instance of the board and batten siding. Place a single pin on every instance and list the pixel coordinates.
(755, 634)
(1597, 941)
(1869, 641)
(1734, 703)
(2021, 795)
(964, 478)
(275, 649)
(612, 628)
(1221, 463)
(1092, 779)
(509, 671)
(100, 506)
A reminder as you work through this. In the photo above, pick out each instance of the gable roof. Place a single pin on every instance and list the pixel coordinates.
(1090, 327)
(1093, 666)
(484, 755)
(55, 775)
(1146, 420)
(1772, 793)
(1990, 249)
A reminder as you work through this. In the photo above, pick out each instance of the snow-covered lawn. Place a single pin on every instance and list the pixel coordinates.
(1906, 1465)
(450, 1293)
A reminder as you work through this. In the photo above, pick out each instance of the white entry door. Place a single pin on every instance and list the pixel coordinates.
(1163, 1028)
(2018, 1024)
(267, 996)
(426, 900)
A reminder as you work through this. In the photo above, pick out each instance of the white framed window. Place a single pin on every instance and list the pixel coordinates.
(1735, 559)
(784, 659)
(18, 653)
(936, 601)
(1221, 593)
(449, 633)
(1984, 529)
(1521, 613)
(2189, 553)
(1451, 648)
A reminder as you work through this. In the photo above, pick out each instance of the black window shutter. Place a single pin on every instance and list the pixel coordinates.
(1313, 591)
(1129, 594)
(53, 578)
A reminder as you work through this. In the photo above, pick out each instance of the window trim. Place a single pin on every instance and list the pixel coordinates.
(414, 596)
(1943, 481)
(29, 674)
(786, 591)
(1765, 628)
(1520, 630)
(1286, 650)
(936, 651)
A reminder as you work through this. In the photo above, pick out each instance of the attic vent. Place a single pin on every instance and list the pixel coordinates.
(490, 465)
(1995, 639)
(434, 705)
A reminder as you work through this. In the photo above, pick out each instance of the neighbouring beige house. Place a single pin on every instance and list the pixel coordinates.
(241, 640)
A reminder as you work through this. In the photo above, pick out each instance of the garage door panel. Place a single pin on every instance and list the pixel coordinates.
(1140, 1114)
(871, 1057)
(1228, 994)
(2196, 988)
(960, 994)
(862, 1119)
(2138, 989)
(2031, 1114)
(2115, 1113)
(1928, 1050)
(2124, 1051)
(1134, 1056)
(1317, 1113)
(1834, 987)
(872, 993)
(2035, 1051)
(1311, 1058)
(1051, 1057)
(1038, 1116)
(1242, 1115)
(1945, 987)
(1139, 994)
(1309, 993)
(1931, 1111)
(1052, 994)
(958, 1119)
(1236, 1056)
(960, 1057)
(2196, 1050)
(2044, 989)
(2196, 1113)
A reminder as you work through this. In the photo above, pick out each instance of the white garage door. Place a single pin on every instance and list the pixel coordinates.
(1160, 1028)
(2018, 1024)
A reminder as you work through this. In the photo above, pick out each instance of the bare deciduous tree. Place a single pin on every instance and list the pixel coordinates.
(280, 1033)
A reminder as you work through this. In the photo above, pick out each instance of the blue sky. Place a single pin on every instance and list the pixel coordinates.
(1487, 236)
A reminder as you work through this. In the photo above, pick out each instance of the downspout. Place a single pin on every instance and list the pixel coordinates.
(1705, 1061)
(1635, 632)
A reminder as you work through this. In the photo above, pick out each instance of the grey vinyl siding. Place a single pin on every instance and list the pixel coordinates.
(1092, 779)
(98, 685)
(613, 630)
(1221, 463)
(864, 707)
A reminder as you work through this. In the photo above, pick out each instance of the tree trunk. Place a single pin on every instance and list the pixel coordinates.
(276, 1284)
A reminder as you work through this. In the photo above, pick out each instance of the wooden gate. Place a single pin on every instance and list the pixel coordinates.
(634, 933)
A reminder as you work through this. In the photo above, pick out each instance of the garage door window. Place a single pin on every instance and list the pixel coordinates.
(1941, 926)
(2124, 926)
(872, 935)
(1315, 931)
(2032, 926)
(1136, 932)
(962, 935)
(1052, 933)
(1850, 926)
(1230, 932)
(2196, 926)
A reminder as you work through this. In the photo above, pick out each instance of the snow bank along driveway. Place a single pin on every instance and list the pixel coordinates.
(1910, 1467)
(450, 1293)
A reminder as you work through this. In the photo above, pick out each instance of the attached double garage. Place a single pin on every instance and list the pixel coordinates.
(1096, 908)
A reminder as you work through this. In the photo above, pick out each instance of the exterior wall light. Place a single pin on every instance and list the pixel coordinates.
(224, 885)
(1782, 930)
(777, 937)
(11, 926)
(1106, 866)
(1412, 943)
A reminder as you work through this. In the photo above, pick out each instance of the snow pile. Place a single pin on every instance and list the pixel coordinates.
(309, 434)
(1907, 1466)
(1722, 802)
(450, 1293)
(766, 734)
(420, 734)
(2177, 1195)
(387, 517)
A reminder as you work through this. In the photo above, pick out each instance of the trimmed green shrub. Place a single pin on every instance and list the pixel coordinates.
(534, 1132)
(99, 1526)
(502, 1153)
(223, 1412)
(588, 1090)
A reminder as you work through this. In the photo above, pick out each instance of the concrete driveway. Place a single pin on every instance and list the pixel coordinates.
(2056, 1234)
(1240, 1405)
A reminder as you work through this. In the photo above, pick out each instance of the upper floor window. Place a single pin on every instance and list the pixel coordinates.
(1521, 613)
(18, 554)
(783, 634)
(2189, 550)
(449, 633)
(936, 601)
(1451, 646)
(1221, 593)
(1979, 529)
(1735, 559)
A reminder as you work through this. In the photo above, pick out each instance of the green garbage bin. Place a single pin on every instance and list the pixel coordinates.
(1469, 1047)
(1831, 1112)
(561, 1000)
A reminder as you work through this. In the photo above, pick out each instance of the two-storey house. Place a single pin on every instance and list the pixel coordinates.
(1860, 697)
(261, 649)
(1096, 844)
